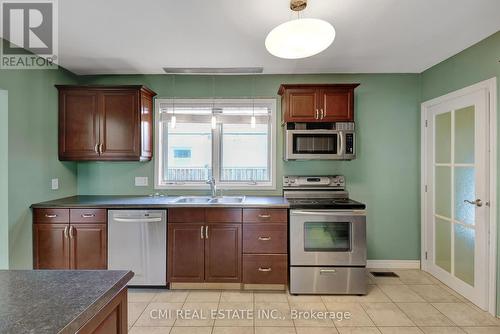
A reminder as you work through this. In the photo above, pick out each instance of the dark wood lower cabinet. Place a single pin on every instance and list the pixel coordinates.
(51, 246)
(223, 253)
(88, 246)
(186, 247)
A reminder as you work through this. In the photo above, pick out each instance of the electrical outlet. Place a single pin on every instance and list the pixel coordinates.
(141, 181)
(55, 184)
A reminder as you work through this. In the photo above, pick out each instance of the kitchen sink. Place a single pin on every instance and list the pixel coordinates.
(227, 200)
(209, 200)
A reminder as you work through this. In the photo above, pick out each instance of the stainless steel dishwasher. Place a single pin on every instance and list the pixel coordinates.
(137, 241)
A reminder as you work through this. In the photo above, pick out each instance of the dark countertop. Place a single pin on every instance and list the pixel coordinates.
(55, 301)
(131, 202)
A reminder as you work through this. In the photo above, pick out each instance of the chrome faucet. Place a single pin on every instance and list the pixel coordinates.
(213, 186)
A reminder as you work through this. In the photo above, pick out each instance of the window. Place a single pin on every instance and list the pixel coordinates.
(204, 138)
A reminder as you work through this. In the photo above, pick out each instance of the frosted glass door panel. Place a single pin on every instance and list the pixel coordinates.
(464, 135)
(443, 191)
(443, 244)
(443, 138)
(465, 190)
(464, 253)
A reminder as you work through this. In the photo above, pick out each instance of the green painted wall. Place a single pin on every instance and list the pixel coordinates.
(387, 115)
(477, 63)
(32, 159)
(4, 181)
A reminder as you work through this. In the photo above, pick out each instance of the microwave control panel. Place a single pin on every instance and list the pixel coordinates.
(349, 147)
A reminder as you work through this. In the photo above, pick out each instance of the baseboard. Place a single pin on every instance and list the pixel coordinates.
(393, 264)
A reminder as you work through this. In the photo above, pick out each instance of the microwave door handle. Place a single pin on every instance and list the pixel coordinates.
(340, 151)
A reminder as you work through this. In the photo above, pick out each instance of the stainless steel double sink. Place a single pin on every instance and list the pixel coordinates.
(209, 200)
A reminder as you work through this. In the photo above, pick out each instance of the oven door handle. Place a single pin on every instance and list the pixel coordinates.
(328, 213)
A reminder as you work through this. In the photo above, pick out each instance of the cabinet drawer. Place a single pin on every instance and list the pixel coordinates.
(51, 216)
(186, 215)
(87, 216)
(265, 269)
(221, 215)
(259, 238)
(265, 215)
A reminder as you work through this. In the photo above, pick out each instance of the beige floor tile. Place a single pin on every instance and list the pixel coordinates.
(236, 296)
(233, 330)
(386, 314)
(234, 314)
(424, 314)
(307, 315)
(304, 299)
(191, 330)
(197, 315)
(149, 330)
(358, 330)
(357, 316)
(203, 297)
(136, 295)
(442, 330)
(400, 330)
(159, 314)
(433, 293)
(275, 330)
(273, 297)
(374, 295)
(453, 292)
(413, 276)
(171, 296)
(134, 312)
(316, 330)
(272, 314)
(482, 330)
(401, 293)
(464, 315)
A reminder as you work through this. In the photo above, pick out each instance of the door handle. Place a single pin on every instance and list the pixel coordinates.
(100, 148)
(341, 141)
(266, 270)
(206, 232)
(71, 228)
(201, 231)
(321, 114)
(327, 271)
(137, 220)
(477, 202)
(264, 238)
(66, 232)
(96, 148)
(317, 114)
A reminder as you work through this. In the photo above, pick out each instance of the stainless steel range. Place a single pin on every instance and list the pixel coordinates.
(327, 236)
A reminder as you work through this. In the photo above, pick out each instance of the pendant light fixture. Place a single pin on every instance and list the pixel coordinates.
(300, 38)
(173, 119)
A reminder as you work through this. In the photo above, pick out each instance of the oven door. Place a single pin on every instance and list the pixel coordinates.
(327, 238)
(313, 144)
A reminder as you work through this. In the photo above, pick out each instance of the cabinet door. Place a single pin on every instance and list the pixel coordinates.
(301, 105)
(119, 125)
(88, 248)
(78, 125)
(223, 253)
(146, 126)
(51, 246)
(185, 252)
(337, 105)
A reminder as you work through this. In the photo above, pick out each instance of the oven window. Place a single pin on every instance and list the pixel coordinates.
(315, 143)
(327, 237)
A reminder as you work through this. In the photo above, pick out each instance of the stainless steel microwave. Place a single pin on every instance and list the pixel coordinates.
(320, 144)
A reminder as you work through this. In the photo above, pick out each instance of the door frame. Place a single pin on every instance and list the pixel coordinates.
(490, 86)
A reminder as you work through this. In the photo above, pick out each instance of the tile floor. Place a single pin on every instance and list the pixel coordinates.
(413, 303)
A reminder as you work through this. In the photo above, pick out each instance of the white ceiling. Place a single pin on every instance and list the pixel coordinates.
(373, 36)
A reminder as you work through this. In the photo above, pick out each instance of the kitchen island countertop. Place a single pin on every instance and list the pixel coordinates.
(55, 301)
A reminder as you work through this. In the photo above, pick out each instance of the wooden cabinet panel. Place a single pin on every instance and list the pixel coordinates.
(51, 216)
(265, 269)
(147, 125)
(88, 248)
(337, 105)
(51, 246)
(260, 238)
(302, 104)
(186, 246)
(265, 216)
(186, 215)
(78, 124)
(119, 124)
(223, 215)
(223, 253)
(88, 216)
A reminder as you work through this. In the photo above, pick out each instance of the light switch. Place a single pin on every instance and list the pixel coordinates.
(55, 184)
(141, 181)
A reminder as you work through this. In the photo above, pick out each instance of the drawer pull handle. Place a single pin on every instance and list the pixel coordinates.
(50, 216)
(264, 238)
(264, 216)
(88, 215)
(327, 271)
(266, 270)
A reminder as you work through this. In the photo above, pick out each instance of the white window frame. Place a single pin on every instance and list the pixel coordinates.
(216, 147)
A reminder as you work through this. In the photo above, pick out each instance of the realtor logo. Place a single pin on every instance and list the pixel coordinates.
(29, 34)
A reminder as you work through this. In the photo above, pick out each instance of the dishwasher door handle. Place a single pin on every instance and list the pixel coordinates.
(137, 220)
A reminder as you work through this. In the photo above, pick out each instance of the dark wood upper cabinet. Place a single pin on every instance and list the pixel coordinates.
(317, 103)
(105, 123)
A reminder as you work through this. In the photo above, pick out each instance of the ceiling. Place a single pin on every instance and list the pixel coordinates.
(382, 36)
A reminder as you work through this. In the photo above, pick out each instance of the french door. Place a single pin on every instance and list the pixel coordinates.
(456, 196)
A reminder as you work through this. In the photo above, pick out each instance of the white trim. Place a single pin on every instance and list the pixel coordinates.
(490, 86)
(393, 264)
